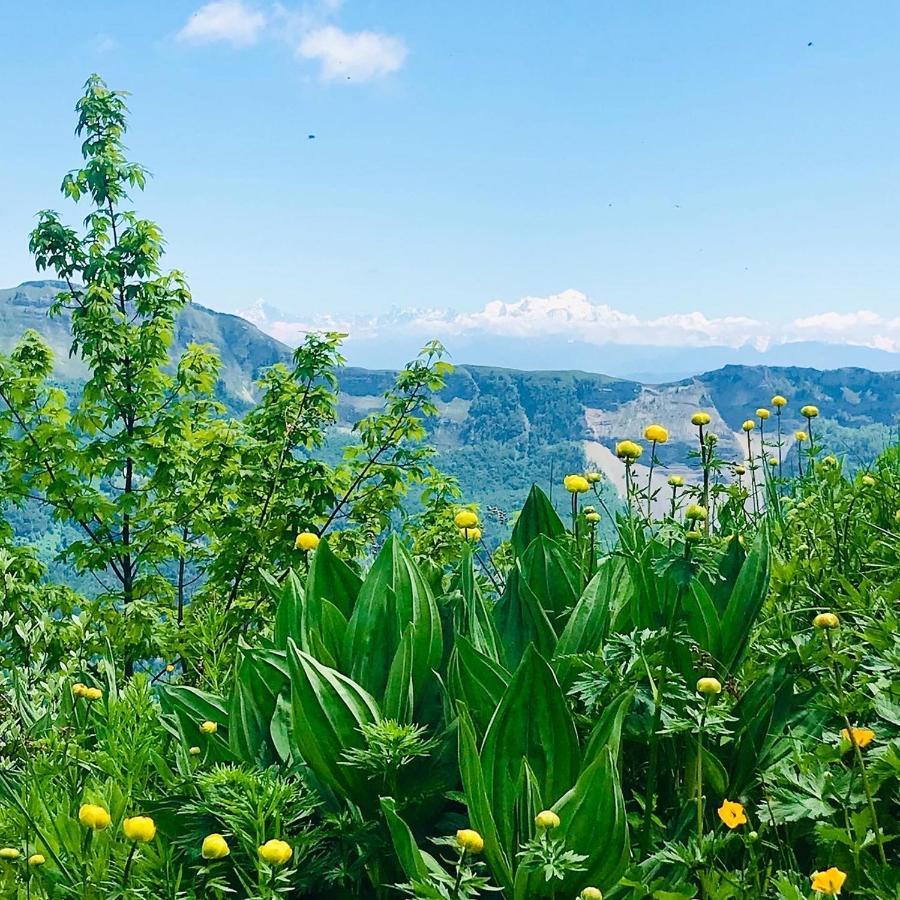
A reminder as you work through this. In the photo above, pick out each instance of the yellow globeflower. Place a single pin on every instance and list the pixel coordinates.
(800, 436)
(762, 413)
(693, 536)
(740, 470)
(92, 816)
(773, 461)
(92, 694)
(749, 425)
(36, 859)
(170, 668)
(576, 484)
(593, 477)
(709, 686)
(829, 461)
(208, 727)
(593, 517)
(546, 819)
(809, 411)
(695, 513)
(140, 829)
(868, 481)
(214, 846)
(306, 541)
(275, 853)
(829, 882)
(78, 689)
(194, 751)
(470, 840)
(465, 518)
(732, 814)
(628, 450)
(9, 853)
(676, 481)
(826, 620)
(778, 401)
(862, 737)
(700, 418)
(591, 893)
(656, 433)
(470, 534)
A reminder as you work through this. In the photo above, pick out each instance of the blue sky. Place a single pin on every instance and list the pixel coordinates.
(660, 157)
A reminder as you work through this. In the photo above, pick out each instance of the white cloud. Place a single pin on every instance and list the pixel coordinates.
(358, 55)
(230, 21)
(573, 316)
(346, 56)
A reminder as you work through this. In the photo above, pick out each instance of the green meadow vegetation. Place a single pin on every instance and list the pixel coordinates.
(288, 681)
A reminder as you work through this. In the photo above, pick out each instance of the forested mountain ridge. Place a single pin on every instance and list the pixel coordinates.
(503, 428)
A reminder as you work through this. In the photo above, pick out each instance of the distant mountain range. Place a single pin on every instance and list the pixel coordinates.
(498, 423)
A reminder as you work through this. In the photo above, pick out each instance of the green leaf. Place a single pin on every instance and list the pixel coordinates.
(187, 708)
(260, 678)
(481, 817)
(414, 862)
(533, 723)
(538, 517)
(289, 614)
(521, 620)
(552, 576)
(745, 602)
(702, 619)
(328, 710)
(473, 619)
(331, 580)
(394, 596)
(607, 732)
(478, 681)
(399, 694)
(593, 823)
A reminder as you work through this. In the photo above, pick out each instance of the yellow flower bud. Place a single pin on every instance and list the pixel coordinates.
(749, 425)
(576, 484)
(809, 411)
(546, 819)
(593, 477)
(214, 846)
(628, 450)
(591, 893)
(92, 693)
(78, 689)
(170, 668)
(465, 518)
(656, 433)
(470, 534)
(36, 859)
(92, 816)
(778, 401)
(800, 436)
(868, 481)
(140, 829)
(709, 686)
(700, 418)
(762, 413)
(275, 853)
(740, 470)
(208, 727)
(773, 461)
(194, 751)
(695, 513)
(470, 840)
(306, 541)
(693, 536)
(9, 853)
(826, 620)
(593, 517)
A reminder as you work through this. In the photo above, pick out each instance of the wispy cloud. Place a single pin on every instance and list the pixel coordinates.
(573, 316)
(308, 29)
(361, 54)
(224, 21)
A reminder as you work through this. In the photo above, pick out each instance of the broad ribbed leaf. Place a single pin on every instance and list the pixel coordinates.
(745, 602)
(538, 517)
(416, 864)
(331, 580)
(588, 623)
(478, 681)
(553, 578)
(702, 619)
(328, 710)
(472, 619)
(521, 621)
(478, 803)
(393, 597)
(607, 731)
(186, 709)
(532, 722)
(593, 823)
(260, 678)
(399, 694)
(289, 613)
